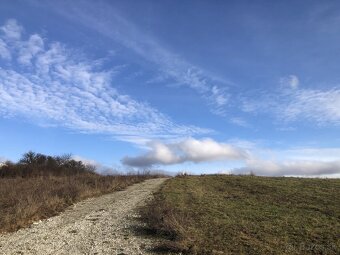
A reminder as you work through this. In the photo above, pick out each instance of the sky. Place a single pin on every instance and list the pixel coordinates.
(196, 86)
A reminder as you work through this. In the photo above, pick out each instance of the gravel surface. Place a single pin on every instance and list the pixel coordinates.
(101, 225)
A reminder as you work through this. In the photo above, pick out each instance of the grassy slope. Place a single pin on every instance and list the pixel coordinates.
(248, 215)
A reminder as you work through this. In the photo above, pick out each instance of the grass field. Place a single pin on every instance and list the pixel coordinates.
(247, 215)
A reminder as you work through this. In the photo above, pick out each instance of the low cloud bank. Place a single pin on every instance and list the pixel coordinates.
(188, 150)
(308, 162)
(295, 167)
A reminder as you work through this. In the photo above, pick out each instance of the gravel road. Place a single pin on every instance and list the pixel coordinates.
(101, 225)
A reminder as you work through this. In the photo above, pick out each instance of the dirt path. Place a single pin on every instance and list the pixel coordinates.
(99, 225)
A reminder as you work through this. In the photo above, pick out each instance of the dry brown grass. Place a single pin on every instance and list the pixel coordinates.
(209, 215)
(25, 200)
(40, 186)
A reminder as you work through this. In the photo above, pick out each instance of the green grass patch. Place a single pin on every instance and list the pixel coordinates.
(219, 214)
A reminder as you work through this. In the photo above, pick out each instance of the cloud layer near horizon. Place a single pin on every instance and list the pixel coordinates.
(293, 162)
(290, 167)
(188, 150)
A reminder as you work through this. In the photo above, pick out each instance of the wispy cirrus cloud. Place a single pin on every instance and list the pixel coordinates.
(188, 150)
(239, 121)
(50, 84)
(170, 66)
(291, 102)
(290, 81)
(320, 106)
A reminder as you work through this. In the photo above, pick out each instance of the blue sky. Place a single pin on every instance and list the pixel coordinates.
(200, 86)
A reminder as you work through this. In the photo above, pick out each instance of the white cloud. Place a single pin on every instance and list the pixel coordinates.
(4, 52)
(208, 149)
(303, 161)
(239, 122)
(52, 85)
(170, 66)
(298, 161)
(30, 48)
(99, 168)
(310, 153)
(320, 107)
(188, 150)
(245, 144)
(291, 81)
(291, 167)
(12, 30)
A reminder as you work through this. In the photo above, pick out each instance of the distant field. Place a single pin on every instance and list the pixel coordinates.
(247, 215)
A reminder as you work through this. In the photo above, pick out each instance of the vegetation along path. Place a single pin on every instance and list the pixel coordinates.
(101, 225)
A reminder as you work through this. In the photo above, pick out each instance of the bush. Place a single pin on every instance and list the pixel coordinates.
(36, 164)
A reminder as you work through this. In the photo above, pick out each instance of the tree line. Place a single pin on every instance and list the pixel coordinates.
(34, 164)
